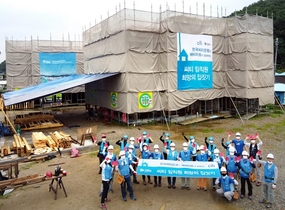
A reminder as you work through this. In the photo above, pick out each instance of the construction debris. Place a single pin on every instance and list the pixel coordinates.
(37, 120)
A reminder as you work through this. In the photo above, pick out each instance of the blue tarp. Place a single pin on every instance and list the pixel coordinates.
(49, 88)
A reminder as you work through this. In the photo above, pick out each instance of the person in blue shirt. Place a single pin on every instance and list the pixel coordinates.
(210, 146)
(220, 160)
(156, 155)
(238, 143)
(185, 155)
(145, 154)
(145, 138)
(245, 167)
(225, 181)
(203, 157)
(124, 167)
(123, 142)
(166, 143)
(134, 160)
(193, 146)
(270, 177)
(226, 146)
(111, 156)
(172, 154)
(103, 144)
(231, 161)
(107, 175)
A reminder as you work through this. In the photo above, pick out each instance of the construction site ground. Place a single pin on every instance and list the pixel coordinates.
(83, 182)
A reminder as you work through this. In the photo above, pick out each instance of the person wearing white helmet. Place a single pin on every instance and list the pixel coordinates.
(107, 175)
(145, 154)
(103, 145)
(220, 160)
(238, 143)
(185, 155)
(210, 146)
(132, 147)
(172, 154)
(253, 148)
(113, 158)
(156, 155)
(125, 167)
(165, 139)
(225, 181)
(231, 161)
(245, 167)
(203, 157)
(270, 177)
(134, 160)
(193, 146)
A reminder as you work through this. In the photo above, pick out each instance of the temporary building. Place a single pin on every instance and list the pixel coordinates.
(171, 60)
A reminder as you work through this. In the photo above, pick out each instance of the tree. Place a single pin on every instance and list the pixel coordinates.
(272, 9)
(3, 67)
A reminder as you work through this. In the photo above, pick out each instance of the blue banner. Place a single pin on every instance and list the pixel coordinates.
(169, 168)
(194, 62)
(55, 65)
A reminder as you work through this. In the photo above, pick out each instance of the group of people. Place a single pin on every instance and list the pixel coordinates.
(241, 158)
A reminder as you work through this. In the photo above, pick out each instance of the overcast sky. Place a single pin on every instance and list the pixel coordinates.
(23, 19)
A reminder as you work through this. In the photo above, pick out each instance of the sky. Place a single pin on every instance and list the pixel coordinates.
(58, 19)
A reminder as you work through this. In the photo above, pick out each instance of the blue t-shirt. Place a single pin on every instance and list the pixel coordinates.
(239, 145)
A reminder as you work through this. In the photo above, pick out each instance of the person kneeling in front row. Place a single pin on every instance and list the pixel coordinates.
(226, 182)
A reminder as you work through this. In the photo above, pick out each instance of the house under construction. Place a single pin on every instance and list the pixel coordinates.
(176, 65)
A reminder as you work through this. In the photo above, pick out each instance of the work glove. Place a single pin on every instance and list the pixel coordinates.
(273, 186)
(182, 133)
(223, 140)
(206, 138)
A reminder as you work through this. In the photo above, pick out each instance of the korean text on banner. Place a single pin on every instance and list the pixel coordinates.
(169, 168)
(194, 62)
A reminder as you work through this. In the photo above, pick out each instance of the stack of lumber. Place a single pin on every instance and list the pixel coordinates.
(39, 140)
(37, 120)
(63, 140)
(5, 149)
(21, 146)
(31, 179)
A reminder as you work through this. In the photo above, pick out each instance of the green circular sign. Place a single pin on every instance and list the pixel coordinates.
(114, 99)
(145, 100)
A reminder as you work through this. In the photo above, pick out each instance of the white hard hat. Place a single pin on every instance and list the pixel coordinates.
(202, 147)
(156, 146)
(223, 169)
(216, 151)
(232, 149)
(270, 156)
(172, 144)
(132, 139)
(110, 147)
(122, 153)
(131, 146)
(184, 144)
(145, 144)
(238, 134)
(244, 153)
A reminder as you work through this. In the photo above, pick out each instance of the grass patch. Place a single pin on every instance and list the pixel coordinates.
(219, 130)
(265, 127)
(28, 165)
(206, 130)
(93, 154)
(5, 196)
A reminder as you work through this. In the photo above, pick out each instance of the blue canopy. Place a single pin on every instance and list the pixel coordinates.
(52, 87)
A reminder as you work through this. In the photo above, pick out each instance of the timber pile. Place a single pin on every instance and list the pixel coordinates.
(63, 140)
(39, 140)
(37, 120)
(5, 149)
(21, 146)
(31, 179)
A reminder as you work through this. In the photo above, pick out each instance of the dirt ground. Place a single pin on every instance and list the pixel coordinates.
(83, 182)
